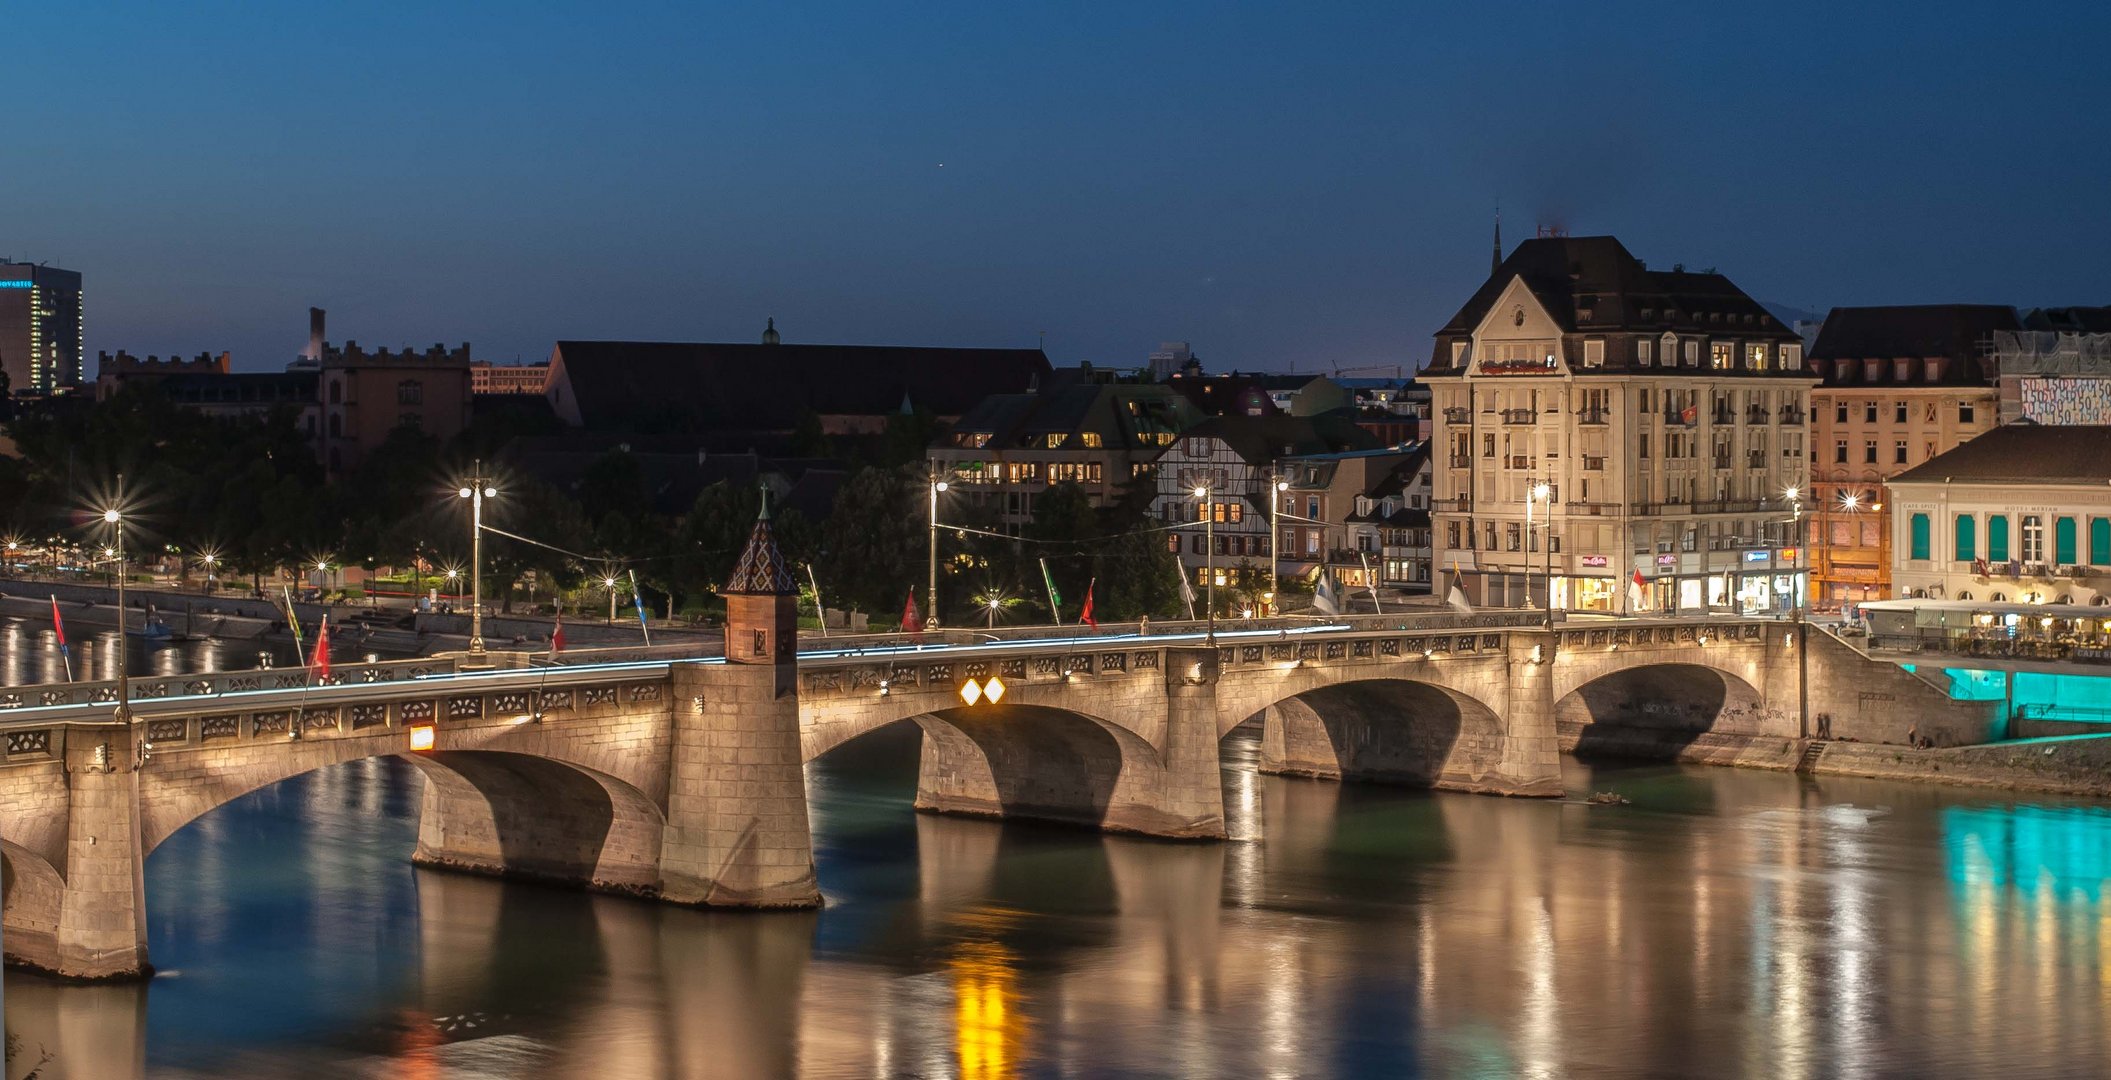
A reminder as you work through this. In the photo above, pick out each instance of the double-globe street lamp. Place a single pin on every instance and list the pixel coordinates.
(476, 491)
(1209, 557)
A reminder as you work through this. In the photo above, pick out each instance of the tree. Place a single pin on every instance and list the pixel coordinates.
(872, 548)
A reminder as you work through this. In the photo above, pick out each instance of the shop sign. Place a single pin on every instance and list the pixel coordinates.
(1758, 556)
(1594, 560)
(1667, 560)
(1789, 555)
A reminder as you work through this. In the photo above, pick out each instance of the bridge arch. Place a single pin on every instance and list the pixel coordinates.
(1394, 730)
(31, 894)
(1658, 709)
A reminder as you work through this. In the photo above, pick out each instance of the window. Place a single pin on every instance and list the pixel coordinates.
(1869, 412)
(2033, 545)
(337, 391)
(1997, 537)
(1755, 356)
(410, 392)
(1054, 439)
(2063, 541)
(1090, 440)
(337, 425)
(1642, 446)
(411, 420)
(1929, 416)
(1869, 451)
(1719, 357)
(1964, 412)
(1642, 352)
(1312, 507)
(1487, 446)
(1839, 452)
(1594, 353)
(1511, 537)
(1898, 452)
(1172, 543)
(1458, 354)
(2100, 541)
(761, 646)
(1451, 535)
(1898, 412)
(1791, 357)
(1839, 413)
(1920, 536)
(1693, 353)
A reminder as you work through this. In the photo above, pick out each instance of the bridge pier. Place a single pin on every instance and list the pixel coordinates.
(102, 930)
(1528, 758)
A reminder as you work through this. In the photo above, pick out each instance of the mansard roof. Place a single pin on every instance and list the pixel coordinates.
(1959, 334)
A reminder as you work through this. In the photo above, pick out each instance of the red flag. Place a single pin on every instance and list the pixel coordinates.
(321, 656)
(1085, 616)
(557, 636)
(1639, 583)
(58, 625)
(912, 623)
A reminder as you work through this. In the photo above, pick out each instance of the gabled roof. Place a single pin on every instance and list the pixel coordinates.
(1957, 333)
(701, 386)
(2022, 454)
(1591, 284)
(1262, 439)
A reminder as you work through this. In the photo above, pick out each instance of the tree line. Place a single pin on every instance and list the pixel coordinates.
(249, 490)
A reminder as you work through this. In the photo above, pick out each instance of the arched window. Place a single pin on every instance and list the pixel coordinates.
(1998, 597)
(1920, 536)
(1964, 594)
(2064, 598)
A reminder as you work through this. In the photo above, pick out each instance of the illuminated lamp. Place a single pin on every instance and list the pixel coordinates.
(421, 737)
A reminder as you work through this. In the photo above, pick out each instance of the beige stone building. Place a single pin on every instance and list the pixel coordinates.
(2021, 514)
(1659, 415)
(1900, 385)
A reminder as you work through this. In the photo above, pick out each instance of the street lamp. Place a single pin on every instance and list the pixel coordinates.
(1794, 495)
(1275, 530)
(116, 521)
(931, 586)
(1209, 558)
(609, 582)
(993, 602)
(476, 491)
(1538, 492)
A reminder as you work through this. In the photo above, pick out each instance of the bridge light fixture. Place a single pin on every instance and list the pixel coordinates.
(1539, 654)
(971, 691)
(421, 738)
(993, 690)
(886, 688)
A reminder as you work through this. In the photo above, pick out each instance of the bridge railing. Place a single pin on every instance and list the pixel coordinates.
(146, 688)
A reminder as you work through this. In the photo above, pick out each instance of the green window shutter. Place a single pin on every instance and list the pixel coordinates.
(1967, 538)
(2100, 541)
(2063, 541)
(1920, 536)
(1997, 538)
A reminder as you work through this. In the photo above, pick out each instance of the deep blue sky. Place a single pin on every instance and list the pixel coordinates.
(1307, 183)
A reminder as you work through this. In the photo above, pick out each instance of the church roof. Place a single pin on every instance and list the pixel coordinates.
(763, 569)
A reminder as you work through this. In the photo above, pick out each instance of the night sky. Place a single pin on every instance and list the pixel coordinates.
(1306, 184)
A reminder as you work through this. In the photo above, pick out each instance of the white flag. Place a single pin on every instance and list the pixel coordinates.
(1457, 599)
(1323, 599)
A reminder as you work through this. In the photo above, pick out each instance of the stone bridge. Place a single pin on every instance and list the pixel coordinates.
(682, 778)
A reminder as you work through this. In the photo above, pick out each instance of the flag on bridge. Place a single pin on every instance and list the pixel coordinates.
(557, 636)
(58, 627)
(1637, 592)
(1457, 596)
(1085, 616)
(1187, 594)
(1055, 599)
(912, 623)
(1324, 598)
(320, 659)
(638, 602)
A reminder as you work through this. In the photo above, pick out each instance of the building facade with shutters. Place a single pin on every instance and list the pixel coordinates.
(1666, 414)
(2021, 514)
(1900, 386)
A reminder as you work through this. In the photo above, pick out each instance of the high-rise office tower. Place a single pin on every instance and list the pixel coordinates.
(40, 327)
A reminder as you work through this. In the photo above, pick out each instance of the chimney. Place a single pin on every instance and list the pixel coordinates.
(315, 335)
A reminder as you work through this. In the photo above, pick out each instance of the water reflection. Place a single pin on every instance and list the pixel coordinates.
(1752, 924)
(30, 654)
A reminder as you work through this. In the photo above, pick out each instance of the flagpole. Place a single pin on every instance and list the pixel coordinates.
(59, 629)
(1371, 580)
(1055, 603)
(638, 602)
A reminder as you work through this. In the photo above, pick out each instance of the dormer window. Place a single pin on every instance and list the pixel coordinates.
(1055, 439)
(1901, 369)
(1932, 368)
(1843, 370)
(1871, 369)
(1791, 357)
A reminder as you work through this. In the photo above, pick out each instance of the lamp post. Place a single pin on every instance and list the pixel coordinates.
(1538, 492)
(116, 521)
(476, 491)
(1850, 502)
(1795, 499)
(931, 584)
(609, 583)
(1275, 530)
(1209, 560)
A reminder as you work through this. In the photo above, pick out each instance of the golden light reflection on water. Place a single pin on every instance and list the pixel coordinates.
(990, 1027)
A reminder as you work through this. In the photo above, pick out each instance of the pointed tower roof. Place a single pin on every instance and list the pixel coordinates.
(763, 569)
(1495, 264)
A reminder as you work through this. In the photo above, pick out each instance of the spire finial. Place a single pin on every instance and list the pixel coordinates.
(765, 514)
(769, 332)
(1495, 263)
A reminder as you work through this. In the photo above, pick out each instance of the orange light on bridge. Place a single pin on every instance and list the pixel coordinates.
(993, 690)
(971, 691)
(421, 736)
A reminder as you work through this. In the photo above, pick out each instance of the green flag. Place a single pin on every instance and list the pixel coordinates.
(1055, 599)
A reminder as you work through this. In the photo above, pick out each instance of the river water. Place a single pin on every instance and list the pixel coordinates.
(1723, 924)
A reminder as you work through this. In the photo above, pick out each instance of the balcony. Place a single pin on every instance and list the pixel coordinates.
(1722, 461)
(1677, 418)
(1756, 414)
(1461, 505)
(1755, 459)
(1722, 416)
(1520, 416)
(1591, 509)
(1791, 416)
(1593, 463)
(1592, 416)
(1458, 414)
(1519, 461)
